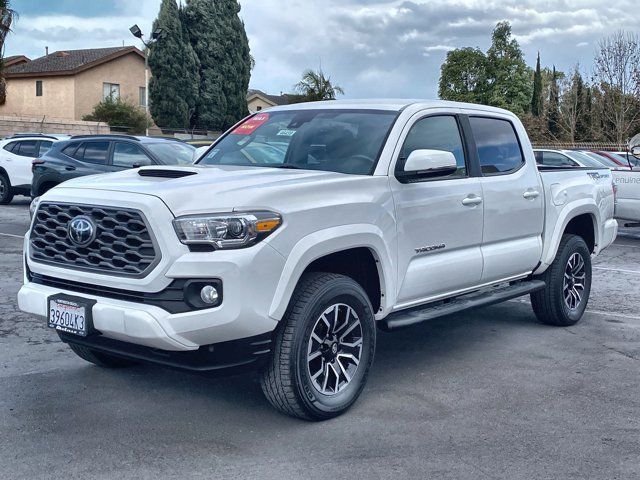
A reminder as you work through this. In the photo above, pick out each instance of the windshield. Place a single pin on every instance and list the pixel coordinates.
(343, 141)
(172, 153)
(585, 160)
(602, 159)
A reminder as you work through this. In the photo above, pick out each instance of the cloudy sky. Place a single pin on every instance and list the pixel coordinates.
(373, 48)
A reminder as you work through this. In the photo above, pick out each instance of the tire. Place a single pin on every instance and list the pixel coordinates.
(6, 194)
(554, 305)
(101, 359)
(288, 381)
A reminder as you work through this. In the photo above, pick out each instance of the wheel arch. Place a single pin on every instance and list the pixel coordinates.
(357, 251)
(582, 220)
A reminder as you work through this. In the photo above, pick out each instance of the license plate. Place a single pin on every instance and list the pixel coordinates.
(70, 314)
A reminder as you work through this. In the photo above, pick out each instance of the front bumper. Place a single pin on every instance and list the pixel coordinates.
(223, 358)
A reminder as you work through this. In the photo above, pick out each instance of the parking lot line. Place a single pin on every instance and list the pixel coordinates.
(11, 235)
(619, 270)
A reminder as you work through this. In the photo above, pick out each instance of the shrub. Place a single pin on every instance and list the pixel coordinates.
(120, 113)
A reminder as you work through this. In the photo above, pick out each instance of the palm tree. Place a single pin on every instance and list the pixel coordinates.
(7, 16)
(315, 86)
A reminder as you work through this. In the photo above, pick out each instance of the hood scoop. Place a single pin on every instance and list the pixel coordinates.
(159, 173)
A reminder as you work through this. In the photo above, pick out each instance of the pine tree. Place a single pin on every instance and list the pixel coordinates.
(537, 106)
(508, 76)
(173, 87)
(220, 42)
(553, 111)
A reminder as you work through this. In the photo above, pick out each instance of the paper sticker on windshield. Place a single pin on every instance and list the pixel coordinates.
(251, 125)
(286, 133)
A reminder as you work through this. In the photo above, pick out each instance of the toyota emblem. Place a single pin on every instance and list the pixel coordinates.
(82, 231)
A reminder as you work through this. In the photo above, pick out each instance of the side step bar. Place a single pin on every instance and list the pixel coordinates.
(481, 298)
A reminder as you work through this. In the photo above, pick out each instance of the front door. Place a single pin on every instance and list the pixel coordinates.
(439, 219)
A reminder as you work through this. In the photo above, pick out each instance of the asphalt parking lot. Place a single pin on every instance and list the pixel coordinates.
(487, 394)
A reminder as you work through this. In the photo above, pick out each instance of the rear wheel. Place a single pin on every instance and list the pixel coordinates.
(101, 359)
(563, 301)
(6, 195)
(323, 350)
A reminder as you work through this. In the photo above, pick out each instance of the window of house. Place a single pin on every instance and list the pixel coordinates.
(435, 133)
(129, 155)
(110, 90)
(498, 147)
(38, 88)
(143, 96)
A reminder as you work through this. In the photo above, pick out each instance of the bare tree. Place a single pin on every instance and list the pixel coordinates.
(570, 104)
(617, 76)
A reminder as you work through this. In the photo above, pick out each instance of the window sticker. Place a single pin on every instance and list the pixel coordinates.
(251, 125)
(286, 133)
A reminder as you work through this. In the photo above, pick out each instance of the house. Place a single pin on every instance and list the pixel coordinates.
(68, 84)
(14, 60)
(258, 100)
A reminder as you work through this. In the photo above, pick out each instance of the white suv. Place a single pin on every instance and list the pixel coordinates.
(16, 154)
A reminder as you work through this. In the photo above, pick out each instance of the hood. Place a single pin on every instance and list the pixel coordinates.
(199, 189)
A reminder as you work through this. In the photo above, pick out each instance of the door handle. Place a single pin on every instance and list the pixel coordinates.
(531, 194)
(472, 201)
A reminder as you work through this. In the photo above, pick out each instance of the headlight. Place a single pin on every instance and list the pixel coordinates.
(33, 206)
(227, 230)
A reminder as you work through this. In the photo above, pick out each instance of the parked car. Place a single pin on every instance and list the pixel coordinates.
(16, 154)
(92, 154)
(376, 213)
(606, 160)
(565, 158)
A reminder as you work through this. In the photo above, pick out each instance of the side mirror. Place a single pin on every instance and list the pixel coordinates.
(430, 163)
(635, 151)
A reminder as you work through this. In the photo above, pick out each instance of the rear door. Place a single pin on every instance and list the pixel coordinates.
(439, 219)
(513, 199)
(128, 155)
(19, 162)
(92, 156)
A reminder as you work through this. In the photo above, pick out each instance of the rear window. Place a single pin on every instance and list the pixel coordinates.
(498, 147)
(344, 141)
(90, 152)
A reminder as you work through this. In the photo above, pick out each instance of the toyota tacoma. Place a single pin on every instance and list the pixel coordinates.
(302, 230)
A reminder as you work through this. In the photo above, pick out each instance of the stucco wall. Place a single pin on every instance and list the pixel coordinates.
(256, 102)
(57, 100)
(127, 71)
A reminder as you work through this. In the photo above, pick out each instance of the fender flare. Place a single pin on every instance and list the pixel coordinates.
(568, 213)
(325, 242)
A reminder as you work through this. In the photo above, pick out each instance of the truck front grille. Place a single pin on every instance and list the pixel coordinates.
(120, 242)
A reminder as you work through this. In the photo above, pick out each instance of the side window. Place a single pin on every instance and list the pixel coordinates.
(498, 147)
(127, 155)
(554, 159)
(72, 150)
(9, 147)
(538, 156)
(435, 133)
(95, 152)
(26, 148)
(44, 147)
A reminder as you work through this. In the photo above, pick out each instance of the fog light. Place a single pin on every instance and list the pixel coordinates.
(209, 294)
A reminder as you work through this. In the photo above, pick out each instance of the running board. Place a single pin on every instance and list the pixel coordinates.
(481, 298)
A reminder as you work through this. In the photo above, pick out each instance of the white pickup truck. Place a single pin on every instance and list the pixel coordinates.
(302, 229)
(628, 187)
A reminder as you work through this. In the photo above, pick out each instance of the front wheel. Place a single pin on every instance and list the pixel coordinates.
(323, 349)
(564, 299)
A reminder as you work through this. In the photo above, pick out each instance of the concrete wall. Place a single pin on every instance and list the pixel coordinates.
(11, 124)
(127, 71)
(57, 100)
